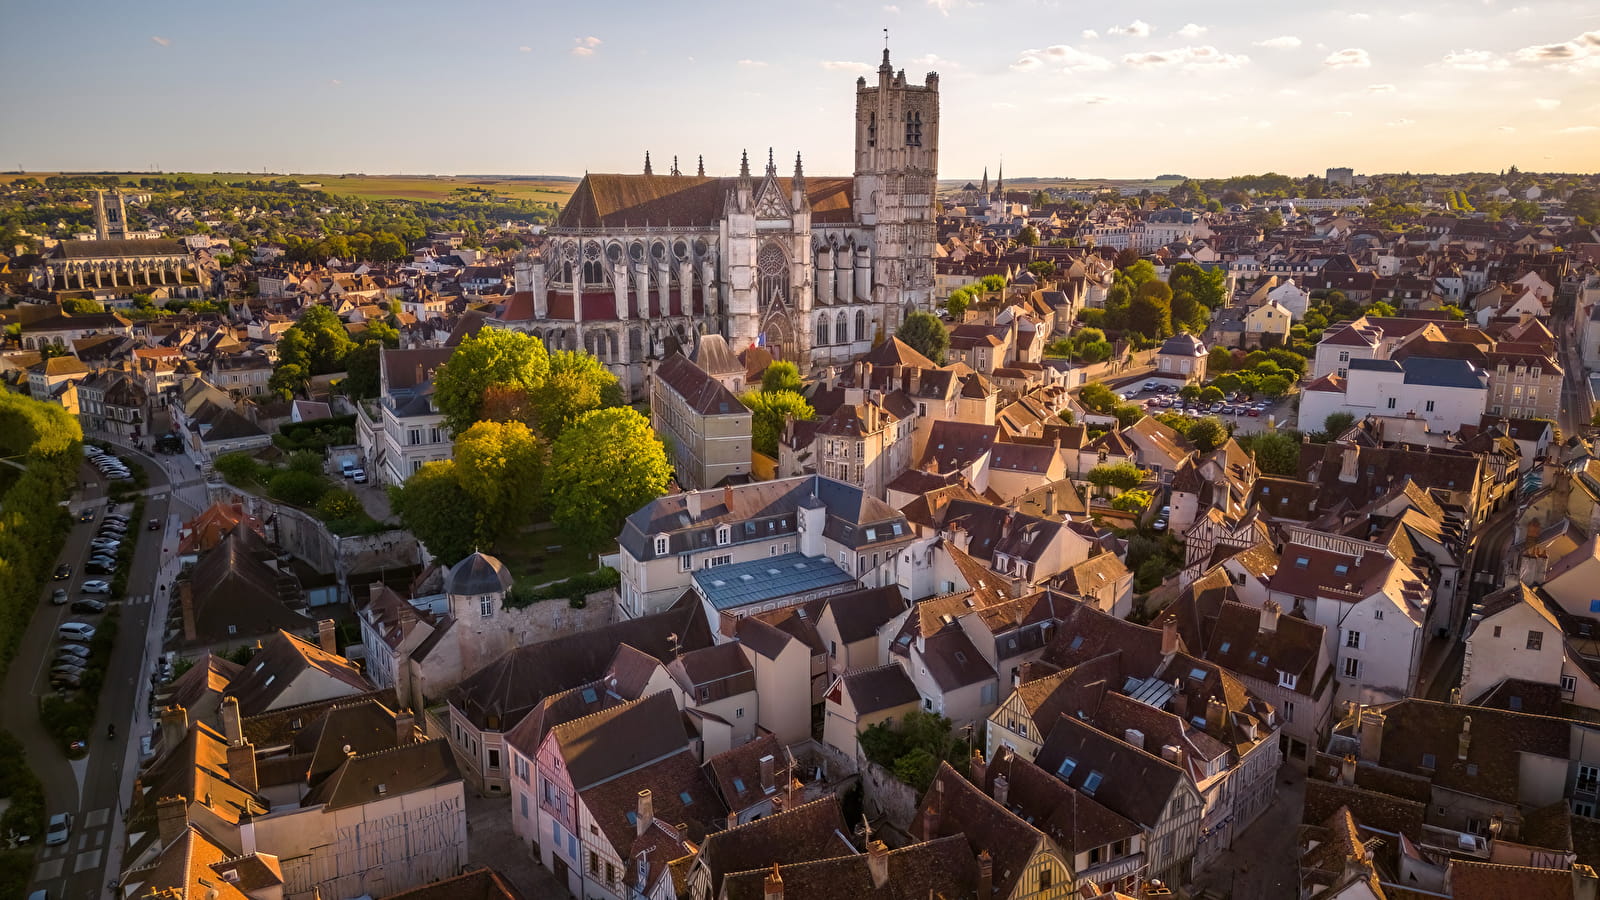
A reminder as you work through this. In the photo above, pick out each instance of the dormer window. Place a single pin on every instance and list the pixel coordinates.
(1286, 680)
(661, 545)
(723, 535)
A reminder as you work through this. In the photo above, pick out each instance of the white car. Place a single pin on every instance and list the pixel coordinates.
(96, 587)
(60, 829)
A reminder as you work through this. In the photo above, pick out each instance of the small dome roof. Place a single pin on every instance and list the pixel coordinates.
(479, 573)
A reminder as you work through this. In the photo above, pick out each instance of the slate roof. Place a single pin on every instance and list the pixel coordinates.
(811, 831)
(235, 595)
(879, 688)
(703, 393)
(107, 249)
(1133, 783)
(1446, 373)
(281, 660)
(472, 884)
(859, 614)
(944, 867)
(955, 806)
(398, 770)
(479, 573)
(1498, 739)
(740, 584)
(610, 200)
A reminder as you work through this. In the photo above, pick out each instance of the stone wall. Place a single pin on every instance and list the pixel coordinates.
(887, 796)
(556, 618)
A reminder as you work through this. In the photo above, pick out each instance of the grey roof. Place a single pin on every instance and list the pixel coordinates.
(1183, 345)
(1374, 365)
(1454, 373)
(479, 573)
(741, 584)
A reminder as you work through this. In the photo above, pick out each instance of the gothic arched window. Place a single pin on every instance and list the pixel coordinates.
(772, 271)
(913, 129)
(861, 325)
(822, 329)
(841, 329)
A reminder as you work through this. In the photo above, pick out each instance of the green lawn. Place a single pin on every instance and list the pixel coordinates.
(532, 562)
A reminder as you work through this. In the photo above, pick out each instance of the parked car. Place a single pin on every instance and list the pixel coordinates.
(117, 517)
(1255, 412)
(71, 651)
(91, 607)
(1160, 525)
(145, 750)
(58, 596)
(65, 681)
(76, 631)
(63, 572)
(68, 668)
(96, 587)
(59, 830)
(359, 476)
(1150, 385)
(348, 469)
(153, 525)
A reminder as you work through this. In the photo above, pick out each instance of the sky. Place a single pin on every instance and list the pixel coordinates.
(1051, 88)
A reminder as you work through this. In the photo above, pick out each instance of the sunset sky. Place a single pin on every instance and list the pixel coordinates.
(1060, 89)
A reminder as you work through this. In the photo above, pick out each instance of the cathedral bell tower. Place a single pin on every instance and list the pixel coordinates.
(896, 171)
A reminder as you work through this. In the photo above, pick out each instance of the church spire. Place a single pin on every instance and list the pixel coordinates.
(985, 189)
(772, 167)
(647, 163)
(675, 165)
(799, 171)
(702, 165)
(1000, 181)
(744, 163)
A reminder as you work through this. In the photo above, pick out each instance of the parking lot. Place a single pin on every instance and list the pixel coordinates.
(1245, 413)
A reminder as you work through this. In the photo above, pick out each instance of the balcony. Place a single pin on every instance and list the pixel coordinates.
(1455, 843)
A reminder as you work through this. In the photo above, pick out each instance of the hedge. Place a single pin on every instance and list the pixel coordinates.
(573, 590)
(316, 435)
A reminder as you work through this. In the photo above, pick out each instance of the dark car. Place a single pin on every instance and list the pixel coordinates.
(89, 606)
(154, 525)
(86, 516)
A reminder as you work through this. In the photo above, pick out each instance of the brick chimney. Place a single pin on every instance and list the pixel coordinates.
(1350, 464)
(242, 765)
(1216, 717)
(691, 501)
(1269, 616)
(768, 774)
(405, 727)
(1585, 884)
(727, 496)
(878, 863)
(1464, 740)
(1371, 735)
(1347, 770)
(172, 817)
(1002, 789)
(174, 725)
(772, 889)
(232, 726)
(978, 769)
(645, 814)
(186, 603)
(985, 876)
(1169, 637)
(326, 638)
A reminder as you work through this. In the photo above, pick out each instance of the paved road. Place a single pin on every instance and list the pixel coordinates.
(93, 789)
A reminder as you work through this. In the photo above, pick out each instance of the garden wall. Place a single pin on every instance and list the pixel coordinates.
(885, 795)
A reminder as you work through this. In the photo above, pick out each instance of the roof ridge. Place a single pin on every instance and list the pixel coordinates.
(767, 820)
(608, 711)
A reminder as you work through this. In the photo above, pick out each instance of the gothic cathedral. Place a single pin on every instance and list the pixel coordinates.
(816, 269)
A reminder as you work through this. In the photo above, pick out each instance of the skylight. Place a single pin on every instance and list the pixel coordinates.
(589, 695)
(1064, 771)
(1225, 646)
(1077, 642)
(1092, 783)
(685, 798)
(738, 785)
(1301, 562)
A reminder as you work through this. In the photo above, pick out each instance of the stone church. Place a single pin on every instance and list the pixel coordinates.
(815, 269)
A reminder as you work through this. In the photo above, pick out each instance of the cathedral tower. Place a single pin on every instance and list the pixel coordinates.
(897, 165)
(110, 222)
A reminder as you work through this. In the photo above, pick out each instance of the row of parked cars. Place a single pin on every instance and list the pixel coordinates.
(1165, 396)
(72, 655)
(109, 465)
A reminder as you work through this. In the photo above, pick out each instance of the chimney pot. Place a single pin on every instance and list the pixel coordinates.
(878, 863)
(172, 817)
(326, 638)
(645, 814)
(985, 876)
(405, 726)
(773, 888)
(1347, 770)
(232, 726)
(1169, 637)
(174, 725)
(768, 774)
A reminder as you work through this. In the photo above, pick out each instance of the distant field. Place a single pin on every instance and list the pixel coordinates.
(382, 187)
(1070, 184)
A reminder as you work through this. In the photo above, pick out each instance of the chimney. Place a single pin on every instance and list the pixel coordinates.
(977, 769)
(186, 602)
(930, 819)
(232, 727)
(172, 817)
(878, 863)
(1585, 884)
(1002, 789)
(1180, 700)
(727, 496)
(916, 380)
(1216, 717)
(1371, 735)
(174, 725)
(985, 876)
(1169, 637)
(645, 814)
(242, 765)
(1347, 770)
(325, 636)
(772, 889)
(1134, 736)
(405, 728)
(960, 537)
(1350, 464)
(1049, 501)
(1172, 753)
(1464, 742)
(1269, 616)
(691, 500)
(768, 774)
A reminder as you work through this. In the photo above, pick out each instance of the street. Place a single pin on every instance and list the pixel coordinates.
(92, 788)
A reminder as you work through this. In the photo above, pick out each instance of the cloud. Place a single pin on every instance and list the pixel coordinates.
(334, 82)
(1380, 88)
(1344, 113)
(1283, 42)
(1580, 129)
(892, 10)
(1507, 129)
(1136, 28)
(1001, 104)
(1095, 99)
(1359, 17)
(1581, 52)
(1192, 58)
(1475, 61)
(934, 61)
(752, 64)
(1546, 104)
(1401, 123)
(1192, 31)
(844, 65)
(585, 46)
(1352, 58)
(1090, 34)
(165, 42)
(944, 6)
(524, 49)
(1062, 58)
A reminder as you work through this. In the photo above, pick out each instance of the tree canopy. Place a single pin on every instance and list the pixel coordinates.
(576, 384)
(501, 466)
(768, 411)
(924, 333)
(605, 465)
(781, 376)
(434, 506)
(493, 356)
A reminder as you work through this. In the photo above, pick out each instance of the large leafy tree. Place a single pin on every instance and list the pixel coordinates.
(501, 465)
(1208, 287)
(576, 384)
(768, 411)
(605, 465)
(1150, 313)
(434, 506)
(1208, 434)
(318, 342)
(1276, 453)
(781, 376)
(924, 333)
(493, 356)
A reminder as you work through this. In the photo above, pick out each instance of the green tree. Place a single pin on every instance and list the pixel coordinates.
(1028, 236)
(1380, 308)
(924, 333)
(1096, 397)
(1135, 501)
(1211, 394)
(1221, 360)
(1121, 475)
(1274, 385)
(1042, 268)
(318, 342)
(1276, 452)
(1150, 313)
(80, 306)
(493, 356)
(288, 379)
(297, 487)
(338, 504)
(434, 506)
(576, 384)
(1209, 287)
(388, 248)
(781, 376)
(605, 465)
(501, 466)
(956, 304)
(1208, 434)
(1336, 424)
(768, 412)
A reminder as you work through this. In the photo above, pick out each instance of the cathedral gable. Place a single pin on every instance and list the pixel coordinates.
(771, 203)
